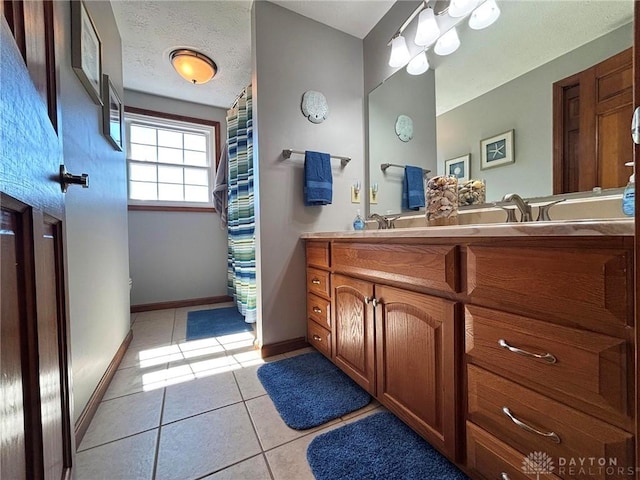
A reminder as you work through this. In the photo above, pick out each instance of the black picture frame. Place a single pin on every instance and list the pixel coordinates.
(112, 114)
(86, 50)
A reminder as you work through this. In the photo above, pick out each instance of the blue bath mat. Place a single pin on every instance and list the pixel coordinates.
(215, 323)
(309, 390)
(378, 447)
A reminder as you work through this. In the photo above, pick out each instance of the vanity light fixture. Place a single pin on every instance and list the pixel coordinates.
(433, 20)
(461, 8)
(448, 43)
(485, 15)
(193, 66)
(399, 52)
(428, 30)
(418, 64)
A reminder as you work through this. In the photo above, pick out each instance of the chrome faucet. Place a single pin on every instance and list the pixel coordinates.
(523, 206)
(384, 223)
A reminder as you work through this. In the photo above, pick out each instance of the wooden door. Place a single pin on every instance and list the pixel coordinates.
(34, 393)
(353, 329)
(416, 349)
(591, 117)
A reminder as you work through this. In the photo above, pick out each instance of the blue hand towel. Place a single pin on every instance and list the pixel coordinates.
(412, 188)
(318, 182)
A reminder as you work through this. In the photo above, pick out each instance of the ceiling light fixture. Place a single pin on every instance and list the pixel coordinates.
(193, 66)
(437, 26)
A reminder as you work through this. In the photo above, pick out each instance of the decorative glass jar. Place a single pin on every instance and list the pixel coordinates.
(472, 192)
(442, 200)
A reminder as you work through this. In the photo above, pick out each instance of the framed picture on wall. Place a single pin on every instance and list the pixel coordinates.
(86, 51)
(111, 113)
(497, 150)
(458, 167)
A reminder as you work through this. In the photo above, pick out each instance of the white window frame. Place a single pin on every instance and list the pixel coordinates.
(157, 121)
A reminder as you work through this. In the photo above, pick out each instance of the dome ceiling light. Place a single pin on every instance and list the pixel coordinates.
(193, 66)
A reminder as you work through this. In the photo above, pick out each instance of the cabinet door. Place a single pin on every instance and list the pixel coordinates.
(353, 329)
(416, 344)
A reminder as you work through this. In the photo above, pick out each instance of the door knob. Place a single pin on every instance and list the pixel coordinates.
(67, 179)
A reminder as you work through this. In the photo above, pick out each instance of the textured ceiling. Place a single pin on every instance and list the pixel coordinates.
(527, 34)
(220, 29)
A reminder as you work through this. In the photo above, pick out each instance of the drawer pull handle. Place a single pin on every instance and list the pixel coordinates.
(315, 281)
(317, 310)
(547, 357)
(317, 338)
(504, 476)
(550, 435)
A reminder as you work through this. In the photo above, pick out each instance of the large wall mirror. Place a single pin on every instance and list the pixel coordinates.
(500, 79)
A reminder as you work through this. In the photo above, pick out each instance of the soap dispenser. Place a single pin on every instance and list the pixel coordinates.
(358, 223)
(629, 194)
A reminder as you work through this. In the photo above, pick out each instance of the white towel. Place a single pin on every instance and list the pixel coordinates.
(220, 185)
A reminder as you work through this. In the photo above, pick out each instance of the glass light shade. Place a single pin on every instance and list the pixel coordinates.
(428, 30)
(418, 64)
(194, 67)
(448, 43)
(484, 15)
(399, 52)
(460, 8)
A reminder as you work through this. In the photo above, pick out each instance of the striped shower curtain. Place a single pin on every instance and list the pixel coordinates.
(241, 258)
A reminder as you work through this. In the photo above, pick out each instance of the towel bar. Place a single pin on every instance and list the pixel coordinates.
(384, 166)
(286, 153)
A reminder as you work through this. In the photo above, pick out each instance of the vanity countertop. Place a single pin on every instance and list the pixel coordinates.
(582, 228)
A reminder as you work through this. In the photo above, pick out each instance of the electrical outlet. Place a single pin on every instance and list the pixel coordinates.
(355, 194)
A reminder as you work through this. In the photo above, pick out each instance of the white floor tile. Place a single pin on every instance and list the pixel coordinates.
(200, 395)
(124, 382)
(289, 461)
(206, 443)
(250, 386)
(271, 429)
(122, 417)
(253, 469)
(128, 459)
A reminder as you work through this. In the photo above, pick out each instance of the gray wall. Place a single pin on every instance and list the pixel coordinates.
(176, 255)
(524, 104)
(314, 57)
(96, 227)
(386, 102)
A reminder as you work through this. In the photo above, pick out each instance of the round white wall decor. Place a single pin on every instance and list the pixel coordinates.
(404, 128)
(314, 106)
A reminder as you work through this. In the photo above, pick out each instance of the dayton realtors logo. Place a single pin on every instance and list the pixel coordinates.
(537, 463)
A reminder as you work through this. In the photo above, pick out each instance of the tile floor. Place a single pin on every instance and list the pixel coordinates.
(192, 410)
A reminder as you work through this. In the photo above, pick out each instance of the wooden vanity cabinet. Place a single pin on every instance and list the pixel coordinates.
(319, 297)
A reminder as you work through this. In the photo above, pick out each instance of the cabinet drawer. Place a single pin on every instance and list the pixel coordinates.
(585, 369)
(577, 287)
(493, 460)
(562, 432)
(430, 266)
(317, 254)
(318, 282)
(319, 310)
(319, 337)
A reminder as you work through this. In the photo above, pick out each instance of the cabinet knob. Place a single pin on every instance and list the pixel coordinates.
(317, 338)
(315, 281)
(317, 310)
(553, 436)
(504, 476)
(367, 300)
(547, 357)
(374, 301)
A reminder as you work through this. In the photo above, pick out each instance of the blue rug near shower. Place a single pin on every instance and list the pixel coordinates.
(309, 390)
(215, 323)
(378, 447)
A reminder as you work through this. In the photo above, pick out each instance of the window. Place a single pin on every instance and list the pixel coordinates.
(170, 159)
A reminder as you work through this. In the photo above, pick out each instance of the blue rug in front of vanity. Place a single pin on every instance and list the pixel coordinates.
(309, 390)
(378, 447)
(215, 323)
